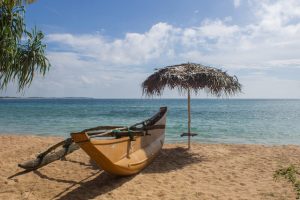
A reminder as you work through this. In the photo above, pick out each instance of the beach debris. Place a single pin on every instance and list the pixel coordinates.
(290, 174)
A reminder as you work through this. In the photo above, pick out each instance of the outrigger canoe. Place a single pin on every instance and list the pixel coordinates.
(118, 150)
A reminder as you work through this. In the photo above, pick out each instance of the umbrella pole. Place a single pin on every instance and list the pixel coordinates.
(189, 119)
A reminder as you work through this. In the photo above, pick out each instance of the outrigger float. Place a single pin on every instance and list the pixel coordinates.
(118, 150)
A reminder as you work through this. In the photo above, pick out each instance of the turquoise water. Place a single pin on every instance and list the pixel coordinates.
(216, 120)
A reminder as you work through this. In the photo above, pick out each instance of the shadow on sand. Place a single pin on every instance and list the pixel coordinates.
(101, 184)
(173, 159)
(168, 160)
(91, 165)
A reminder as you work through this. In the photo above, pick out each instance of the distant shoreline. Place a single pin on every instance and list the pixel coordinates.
(8, 97)
(145, 98)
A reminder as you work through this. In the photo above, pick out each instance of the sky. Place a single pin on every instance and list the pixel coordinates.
(105, 49)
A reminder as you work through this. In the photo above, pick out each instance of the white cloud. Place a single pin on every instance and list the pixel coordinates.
(71, 76)
(276, 14)
(271, 40)
(217, 29)
(236, 3)
(91, 62)
(134, 48)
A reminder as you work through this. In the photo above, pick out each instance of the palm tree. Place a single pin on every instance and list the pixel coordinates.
(22, 53)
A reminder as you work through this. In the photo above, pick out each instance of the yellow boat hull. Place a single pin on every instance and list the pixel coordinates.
(124, 156)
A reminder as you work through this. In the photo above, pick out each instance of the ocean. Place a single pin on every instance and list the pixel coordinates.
(246, 121)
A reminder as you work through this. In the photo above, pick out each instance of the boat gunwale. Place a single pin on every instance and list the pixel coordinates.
(152, 121)
(108, 141)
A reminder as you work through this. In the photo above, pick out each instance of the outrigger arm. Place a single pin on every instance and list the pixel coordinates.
(68, 146)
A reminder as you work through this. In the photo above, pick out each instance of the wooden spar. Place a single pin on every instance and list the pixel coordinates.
(49, 155)
(68, 146)
(189, 119)
(103, 128)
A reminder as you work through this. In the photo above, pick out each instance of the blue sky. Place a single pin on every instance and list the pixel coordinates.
(105, 49)
(116, 18)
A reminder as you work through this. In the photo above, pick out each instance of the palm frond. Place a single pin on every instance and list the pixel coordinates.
(191, 76)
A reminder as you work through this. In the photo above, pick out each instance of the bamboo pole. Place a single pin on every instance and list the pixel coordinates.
(189, 119)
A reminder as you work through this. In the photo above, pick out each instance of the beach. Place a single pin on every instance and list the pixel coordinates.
(207, 171)
(171, 100)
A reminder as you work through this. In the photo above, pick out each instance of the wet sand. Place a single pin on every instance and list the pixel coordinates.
(208, 171)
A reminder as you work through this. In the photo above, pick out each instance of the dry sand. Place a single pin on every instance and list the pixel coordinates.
(208, 171)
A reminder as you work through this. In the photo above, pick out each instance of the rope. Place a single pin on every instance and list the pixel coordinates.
(66, 146)
(145, 128)
(116, 133)
(130, 134)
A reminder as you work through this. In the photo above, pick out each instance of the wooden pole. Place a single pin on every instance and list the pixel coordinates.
(48, 158)
(189, 119)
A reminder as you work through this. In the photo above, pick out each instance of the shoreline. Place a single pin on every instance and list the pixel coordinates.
(183, 142)
(208, 171)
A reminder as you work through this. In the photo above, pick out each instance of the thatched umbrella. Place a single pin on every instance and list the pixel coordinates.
(191, 77)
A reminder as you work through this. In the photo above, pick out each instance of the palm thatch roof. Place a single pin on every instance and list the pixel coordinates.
(191, 76)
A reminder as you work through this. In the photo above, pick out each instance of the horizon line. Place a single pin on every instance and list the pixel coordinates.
(145, 98)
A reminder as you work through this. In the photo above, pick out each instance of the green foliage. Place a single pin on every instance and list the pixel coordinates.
(290, 173)
(18, 2)
(22, 53)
